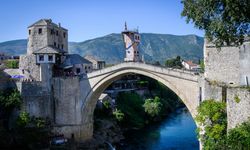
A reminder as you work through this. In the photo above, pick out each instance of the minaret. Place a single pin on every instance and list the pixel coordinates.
(131, 40)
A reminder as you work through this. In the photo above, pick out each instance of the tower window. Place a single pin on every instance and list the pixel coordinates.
(57, 32)
(62, 46)
(29, 32)
(41, 58)
(78, 70)
(64, 34)
(55, 44)
(51, 31)
(50, 57)
(40, 30)
(128, 51)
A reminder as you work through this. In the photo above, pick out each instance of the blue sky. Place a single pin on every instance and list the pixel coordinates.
(87, 19)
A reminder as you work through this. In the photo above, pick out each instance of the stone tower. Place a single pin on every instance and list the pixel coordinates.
(47, 43)
(45, 33)
(131, 40)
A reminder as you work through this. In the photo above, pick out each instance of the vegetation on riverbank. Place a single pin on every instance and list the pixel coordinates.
(212, 132)
(18, 129)
(136, 111)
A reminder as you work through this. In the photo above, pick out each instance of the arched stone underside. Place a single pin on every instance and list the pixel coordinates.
(184, 84)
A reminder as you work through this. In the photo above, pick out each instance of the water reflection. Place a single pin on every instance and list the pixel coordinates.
(176, 132)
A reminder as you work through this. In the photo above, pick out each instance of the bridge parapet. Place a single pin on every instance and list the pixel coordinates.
(146, 67)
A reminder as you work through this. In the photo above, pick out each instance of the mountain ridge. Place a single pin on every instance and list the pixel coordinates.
(154, 47)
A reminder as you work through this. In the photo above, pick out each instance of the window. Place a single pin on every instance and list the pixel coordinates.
(41, 58)
(128, 51)
(64, 34)
(29, 32)
(89, 67)
(62, 46)
(50, 57)
(78, 70)
(85, 67)
(55, 44)
(57, 32)
(40, 30)
(51, 31)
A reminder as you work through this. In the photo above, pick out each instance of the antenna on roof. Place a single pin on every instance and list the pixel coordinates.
(126, 26)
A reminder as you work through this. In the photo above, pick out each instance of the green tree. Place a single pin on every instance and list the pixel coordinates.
(212, 122)
(222, 20)
(10, 99)
(119, 115)
(11, 64)
(174, 62)
(202, 65)
(152, 106)
(239, 137)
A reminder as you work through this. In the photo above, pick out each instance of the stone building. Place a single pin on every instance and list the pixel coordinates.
(47, 53)
(74, 64)
(97, 64)
(189, 65)
(131, 40)
(228, 64)
(47, 42)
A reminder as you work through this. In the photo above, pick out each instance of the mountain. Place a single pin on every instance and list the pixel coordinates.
(154, 47)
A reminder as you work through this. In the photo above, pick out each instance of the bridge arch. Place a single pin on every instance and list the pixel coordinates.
(184, 84)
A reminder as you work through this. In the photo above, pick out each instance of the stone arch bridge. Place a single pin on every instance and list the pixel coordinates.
(75, 98)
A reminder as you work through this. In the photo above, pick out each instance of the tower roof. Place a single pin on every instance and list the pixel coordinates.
(47, 50)
(72, 59)
(45, 22)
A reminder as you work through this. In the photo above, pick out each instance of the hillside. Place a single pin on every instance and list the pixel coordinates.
(154, 47)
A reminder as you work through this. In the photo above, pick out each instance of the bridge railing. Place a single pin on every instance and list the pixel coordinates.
(146, 67)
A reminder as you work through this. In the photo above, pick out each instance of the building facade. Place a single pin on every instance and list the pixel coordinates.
(228, 64)
(96, 63)
(189, 65)
(131, 39)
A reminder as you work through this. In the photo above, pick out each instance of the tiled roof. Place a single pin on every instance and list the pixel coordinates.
(190, 63)
(47, 50)
(72, 59)
(44, 22)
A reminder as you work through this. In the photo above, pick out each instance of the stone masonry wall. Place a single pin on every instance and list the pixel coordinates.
(238, 106)
(227, 64)
(37, 99)
(31, 69)
(67, 101)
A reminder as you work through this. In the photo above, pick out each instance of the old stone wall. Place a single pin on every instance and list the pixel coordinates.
(238, 106)
(28, 64)
(227, 64)
(37, 99)
(67, 101)
(37, 41)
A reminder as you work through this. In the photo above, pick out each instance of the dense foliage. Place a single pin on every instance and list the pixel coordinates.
(11, 64)
(239, 137)
(213, 128)
(22, 131)
(174, 62)
(223, 20)
(131, 105)
(212, 122)
(153, 106)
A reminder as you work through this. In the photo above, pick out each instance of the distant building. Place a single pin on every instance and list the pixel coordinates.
(47, 53)
(97, 64)
(74, 64)
(131, 40)
(3, 57)
(189, 65)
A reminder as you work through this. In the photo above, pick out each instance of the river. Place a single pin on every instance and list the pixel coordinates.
(176, 132)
